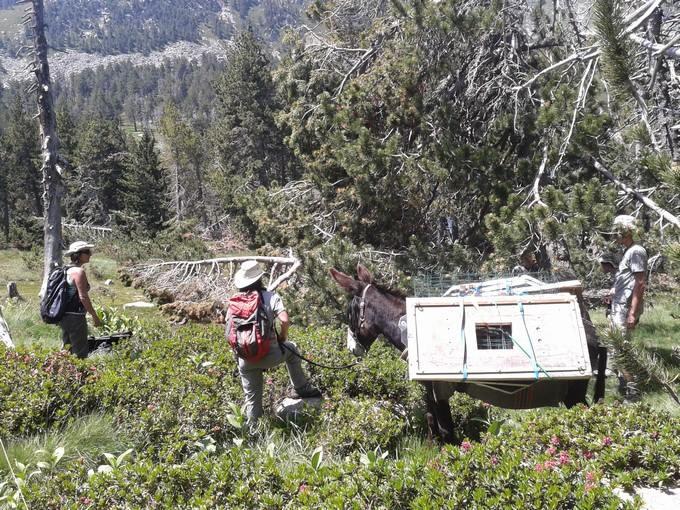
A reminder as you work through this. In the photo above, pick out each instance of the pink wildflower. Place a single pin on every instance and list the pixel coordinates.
(465, 446)
(607, 441)
(494, 460)
(587, 455)
(564, 458)
(591, 481)
(303, 488)
(555, 441)
(270, 381)
(551, 451)
(545, 466)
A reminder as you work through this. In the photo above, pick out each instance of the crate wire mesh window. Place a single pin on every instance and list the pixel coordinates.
(493, 336)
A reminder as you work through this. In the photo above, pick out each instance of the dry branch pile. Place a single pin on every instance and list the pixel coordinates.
(198, 289)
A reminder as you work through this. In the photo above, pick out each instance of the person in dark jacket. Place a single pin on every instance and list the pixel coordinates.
(74, 324)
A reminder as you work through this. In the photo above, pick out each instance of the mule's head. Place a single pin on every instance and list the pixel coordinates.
(360, 337)
(369, 312)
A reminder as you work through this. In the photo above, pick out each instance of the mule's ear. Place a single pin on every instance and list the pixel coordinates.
(364, 274)
(347, 282)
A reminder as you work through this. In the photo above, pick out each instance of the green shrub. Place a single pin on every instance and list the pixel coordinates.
(40, 389)
(173, 402)
(351, 424)
(554, 458)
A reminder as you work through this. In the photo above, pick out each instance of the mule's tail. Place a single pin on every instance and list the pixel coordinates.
(598, 392)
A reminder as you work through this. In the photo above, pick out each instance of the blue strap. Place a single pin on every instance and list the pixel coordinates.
(462, 336)
(532, 356)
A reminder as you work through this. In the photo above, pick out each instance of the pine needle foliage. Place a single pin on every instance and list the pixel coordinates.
(616, 49)
(648, 369)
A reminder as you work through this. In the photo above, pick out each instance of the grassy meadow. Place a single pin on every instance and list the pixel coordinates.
(159, 424)
(10, 19)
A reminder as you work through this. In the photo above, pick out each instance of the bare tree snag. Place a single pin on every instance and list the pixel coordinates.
(5, 337)
(663, 213)
(13, 291)
(53, 187)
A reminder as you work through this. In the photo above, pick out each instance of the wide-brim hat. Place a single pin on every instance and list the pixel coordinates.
(78, 246)
(624, 222)
(249, 272)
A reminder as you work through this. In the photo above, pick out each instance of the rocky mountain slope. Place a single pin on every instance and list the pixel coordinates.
(91, 33)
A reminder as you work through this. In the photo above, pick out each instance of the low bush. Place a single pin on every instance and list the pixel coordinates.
(40, 389)
(176, 402)
(554, 459)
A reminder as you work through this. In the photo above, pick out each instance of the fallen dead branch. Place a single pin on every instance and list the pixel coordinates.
(198, 289)
(663, 213)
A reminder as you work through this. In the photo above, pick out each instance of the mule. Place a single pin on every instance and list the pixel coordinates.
(375, 310)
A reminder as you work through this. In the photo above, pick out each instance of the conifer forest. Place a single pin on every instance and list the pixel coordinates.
(433, 141)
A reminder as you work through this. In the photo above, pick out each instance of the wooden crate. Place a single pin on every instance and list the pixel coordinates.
(496, 338)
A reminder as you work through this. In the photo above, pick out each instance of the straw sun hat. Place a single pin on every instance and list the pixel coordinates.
(249, 272)
(77, 247)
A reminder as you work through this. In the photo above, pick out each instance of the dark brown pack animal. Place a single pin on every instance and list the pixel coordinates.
(375, 310)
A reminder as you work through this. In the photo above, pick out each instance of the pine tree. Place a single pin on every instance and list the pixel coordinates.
(94, 187)
(22, 150)
(145, 188)
(189, 158)
(248, 144)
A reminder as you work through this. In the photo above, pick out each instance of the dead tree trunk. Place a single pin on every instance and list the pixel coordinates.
(13, 291)
(5, 337)
(53, 187)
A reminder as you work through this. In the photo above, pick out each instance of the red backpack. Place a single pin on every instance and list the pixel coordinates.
(249, 330)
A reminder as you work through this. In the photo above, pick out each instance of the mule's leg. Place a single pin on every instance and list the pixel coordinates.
(444, 421)
(598, 393)
(431, 413)
(576, 393)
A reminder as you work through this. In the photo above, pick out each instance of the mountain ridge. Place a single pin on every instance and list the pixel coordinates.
(93, 33)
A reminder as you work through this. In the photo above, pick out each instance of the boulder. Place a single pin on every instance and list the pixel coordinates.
(289, 409)
(138, 304)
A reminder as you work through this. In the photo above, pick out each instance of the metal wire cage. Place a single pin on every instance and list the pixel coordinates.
(436, 284)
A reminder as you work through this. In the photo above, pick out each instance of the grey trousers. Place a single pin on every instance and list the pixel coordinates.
(252, 378)
(74, 333)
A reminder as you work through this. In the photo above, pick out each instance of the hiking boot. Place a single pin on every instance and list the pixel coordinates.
(307, 391)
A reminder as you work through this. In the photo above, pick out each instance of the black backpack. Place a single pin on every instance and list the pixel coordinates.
(53, 304)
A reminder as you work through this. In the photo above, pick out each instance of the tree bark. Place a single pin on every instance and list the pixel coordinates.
(5, 337)
(53, 187)
(13, 291)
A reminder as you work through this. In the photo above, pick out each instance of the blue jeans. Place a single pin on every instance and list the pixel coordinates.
(252, 378)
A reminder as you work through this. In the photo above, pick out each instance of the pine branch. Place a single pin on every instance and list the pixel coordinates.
(616, 49)
(648, 368)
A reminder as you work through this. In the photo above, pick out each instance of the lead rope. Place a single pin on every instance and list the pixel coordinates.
(362, 307)
(341, 367)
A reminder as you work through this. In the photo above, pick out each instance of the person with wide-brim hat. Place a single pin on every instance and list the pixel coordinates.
(74, 324)
(248, 278)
